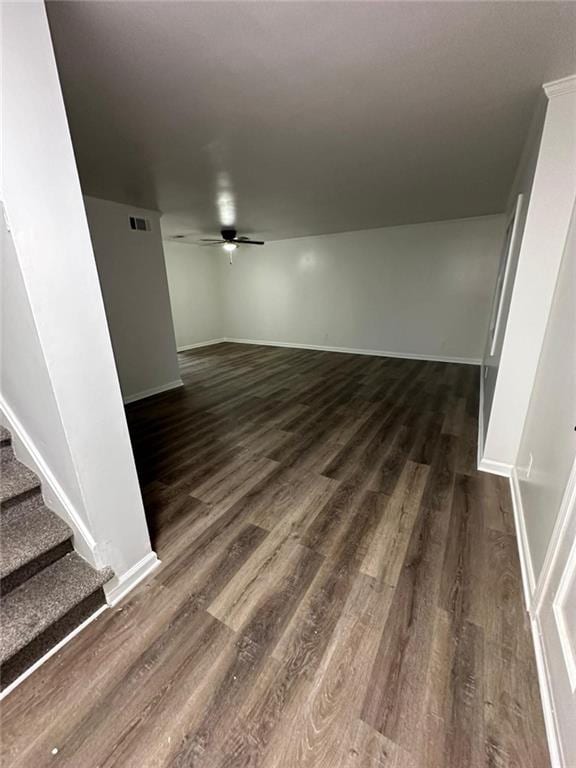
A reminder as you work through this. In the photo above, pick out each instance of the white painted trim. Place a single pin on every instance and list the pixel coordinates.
(52, 651)
(195, 242)
(53, 493)
(562, 521)
(118, 587)
(154, 391)
(186, 347)
(352, 351)
(560, 87)
(480, 453)
(528, 583)
(558, 609)
(550, 722)
(495, 467)
(526, 565)
(485, 464)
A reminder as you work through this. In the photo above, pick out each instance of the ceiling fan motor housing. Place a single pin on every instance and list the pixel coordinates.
(228, 234)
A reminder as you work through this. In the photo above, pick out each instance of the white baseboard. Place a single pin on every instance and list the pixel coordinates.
(353, 351)
(54, 495)
(154, 391)
(198, 344)
(480, 420)
(529, 587)
(559, 533)
(526, 565)
(117, 588)
(495, 467)
(486, 464)
(550, 724)
(54, 650)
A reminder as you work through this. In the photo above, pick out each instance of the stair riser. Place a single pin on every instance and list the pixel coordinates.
(27, 656)
(26, 496)
(26, 571)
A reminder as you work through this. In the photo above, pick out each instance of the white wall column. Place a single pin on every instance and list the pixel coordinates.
(545, 232)
(43, 202)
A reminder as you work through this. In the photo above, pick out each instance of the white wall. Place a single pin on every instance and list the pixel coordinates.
(132, 274)
(522, 185)
(547, 221)
(195, 295)
(548, 441)
(421, 290)
(43, 203)
(26, 387)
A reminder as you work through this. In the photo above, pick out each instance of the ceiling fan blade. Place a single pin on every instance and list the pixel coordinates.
(246, 241)
(210, 240)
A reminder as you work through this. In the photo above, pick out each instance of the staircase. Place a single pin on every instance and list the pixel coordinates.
(47, 588)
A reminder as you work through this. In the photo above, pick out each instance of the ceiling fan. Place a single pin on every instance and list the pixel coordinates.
(229, 241)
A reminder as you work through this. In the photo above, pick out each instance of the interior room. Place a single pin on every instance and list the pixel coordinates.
(288, 384)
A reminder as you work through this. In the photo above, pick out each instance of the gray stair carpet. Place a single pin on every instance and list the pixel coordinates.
(47, 588)
(18, 481)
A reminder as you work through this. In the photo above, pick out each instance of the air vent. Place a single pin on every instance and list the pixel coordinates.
(142, 225)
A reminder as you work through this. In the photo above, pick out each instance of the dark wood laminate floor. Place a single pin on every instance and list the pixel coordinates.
(339, 586)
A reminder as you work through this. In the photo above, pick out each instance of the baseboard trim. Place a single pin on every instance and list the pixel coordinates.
(550, 723)
(529, 588)
(558, 534)
(198, 344)
(54, 495)
(117, 588)
(526, 565)
(495, 467)
(154, 391)
(54, 650)
(485, 464)
(480, 420)
(354, 351)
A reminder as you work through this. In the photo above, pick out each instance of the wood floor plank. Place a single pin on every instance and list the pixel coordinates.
(275, 565)
(463, 591)
(339, 587)
(387, 551)
(325, 729)
(394, 702)
(513, 713)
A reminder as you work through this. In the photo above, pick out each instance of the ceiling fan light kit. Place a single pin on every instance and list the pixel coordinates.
(230, 241)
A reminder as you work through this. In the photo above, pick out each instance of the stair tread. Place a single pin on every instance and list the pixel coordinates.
(26, 533)
(34, 606)
(15, 478)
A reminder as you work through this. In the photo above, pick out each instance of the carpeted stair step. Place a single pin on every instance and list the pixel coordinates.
(5, 437)
(44, 609)
(16, 480)
(31, 538)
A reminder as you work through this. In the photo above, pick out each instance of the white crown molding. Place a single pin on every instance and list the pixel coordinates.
(560, 87)
(154, 391)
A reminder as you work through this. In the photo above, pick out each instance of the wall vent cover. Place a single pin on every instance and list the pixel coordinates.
(142, 225)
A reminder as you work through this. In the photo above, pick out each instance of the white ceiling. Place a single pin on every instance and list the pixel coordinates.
(305, 117)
